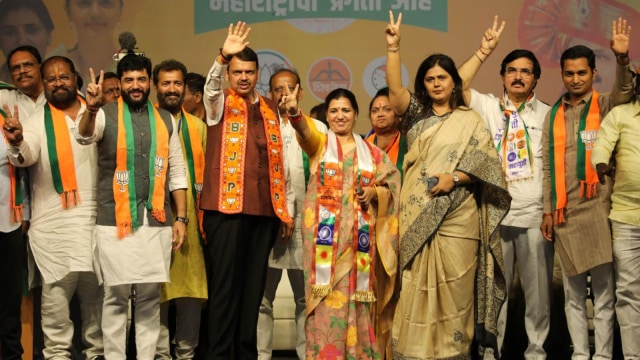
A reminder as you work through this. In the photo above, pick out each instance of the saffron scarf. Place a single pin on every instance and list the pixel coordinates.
(513, 144)
(16, 188)
(233, 149)
(396, 150)
(587, 131)
(328, 213)
(124, 185)
(63, 168)
(194, 154)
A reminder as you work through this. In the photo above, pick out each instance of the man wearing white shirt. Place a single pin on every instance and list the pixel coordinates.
(287, 253)
(63, 183)
(515, 121)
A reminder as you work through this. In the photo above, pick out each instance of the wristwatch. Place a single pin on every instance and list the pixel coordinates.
(183, 220)
(456, 179)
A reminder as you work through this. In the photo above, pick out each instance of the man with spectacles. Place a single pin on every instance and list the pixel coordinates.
(27, 90)
(515, 121)
(384, 123)
(576, 207)
(110, 87)
(63, 209)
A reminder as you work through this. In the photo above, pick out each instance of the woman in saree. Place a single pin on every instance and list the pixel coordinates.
(454, 196)
(350, 235)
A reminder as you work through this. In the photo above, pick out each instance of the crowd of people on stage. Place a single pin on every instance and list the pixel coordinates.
(401, 244)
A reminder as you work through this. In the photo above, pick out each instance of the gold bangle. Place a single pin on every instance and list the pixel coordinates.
(478, 56)
(393, 50)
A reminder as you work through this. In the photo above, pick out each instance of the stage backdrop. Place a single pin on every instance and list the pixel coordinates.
(341, 43)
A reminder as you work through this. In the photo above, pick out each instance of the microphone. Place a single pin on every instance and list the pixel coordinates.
(363, 204)
(127, 40)
(127, 43)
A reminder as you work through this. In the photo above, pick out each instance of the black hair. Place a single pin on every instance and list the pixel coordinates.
(247, 54)
(133, 62)
(382, 92)
(341, 93)
(26, 48)
(108, 75)
(521, 53)
(577, 52)
(195, 82)
(448, 65)
(168, 65)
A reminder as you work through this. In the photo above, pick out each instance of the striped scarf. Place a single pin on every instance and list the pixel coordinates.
(61, 160)
(124, 185)
(328, 214)
(16, 188)
(194, 158)
(587, 130)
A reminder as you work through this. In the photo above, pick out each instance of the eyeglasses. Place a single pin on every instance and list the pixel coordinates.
(25, 66)
(113, 90)
(523, 72)
(63, 78)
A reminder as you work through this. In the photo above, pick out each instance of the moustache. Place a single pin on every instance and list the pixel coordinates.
(22, 77)
(171, 94)
(58, 88)
(517, 82)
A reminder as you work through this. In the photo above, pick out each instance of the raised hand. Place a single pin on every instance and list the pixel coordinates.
(94, 91)
(12, 127)
(289, 101)
(236, 39)
(393, 31)
(620, 33)
(491, 37)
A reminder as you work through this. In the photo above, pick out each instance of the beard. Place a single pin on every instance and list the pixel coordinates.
(136, 104)
(62, 97)
(168, 102)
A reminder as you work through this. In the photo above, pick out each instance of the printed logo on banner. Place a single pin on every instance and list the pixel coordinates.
(374, 77)
(327, 74)
(270, 61)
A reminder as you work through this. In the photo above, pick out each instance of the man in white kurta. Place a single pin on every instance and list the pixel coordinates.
(61, 238)
(287, 253)
(137, 260)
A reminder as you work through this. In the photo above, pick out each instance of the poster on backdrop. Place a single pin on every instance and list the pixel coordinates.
(331, 43)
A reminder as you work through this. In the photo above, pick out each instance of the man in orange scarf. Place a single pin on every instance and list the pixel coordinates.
(576, 207)
(63, 185)
(243, 197)
(140, 166)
